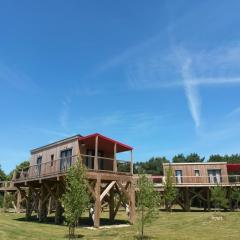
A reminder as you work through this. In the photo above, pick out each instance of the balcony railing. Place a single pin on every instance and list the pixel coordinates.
(196, 180)
(61, 165)
(6, 184)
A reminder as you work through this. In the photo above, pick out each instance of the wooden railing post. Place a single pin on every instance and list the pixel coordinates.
(131, 164)
(115, 158)
(96, 154)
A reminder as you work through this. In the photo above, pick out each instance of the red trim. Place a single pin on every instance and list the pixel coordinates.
(107, 139)
(233, 167)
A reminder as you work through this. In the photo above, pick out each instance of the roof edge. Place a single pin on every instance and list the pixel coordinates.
(55, 143)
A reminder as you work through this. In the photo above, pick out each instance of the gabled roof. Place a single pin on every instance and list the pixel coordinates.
(104, 142)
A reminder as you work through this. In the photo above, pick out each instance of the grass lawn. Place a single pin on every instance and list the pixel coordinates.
(175, 226)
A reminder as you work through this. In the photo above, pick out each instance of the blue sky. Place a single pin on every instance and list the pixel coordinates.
(162, 76)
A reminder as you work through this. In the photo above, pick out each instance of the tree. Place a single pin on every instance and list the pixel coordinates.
(3, 176)
(235, 196)
(147, 203)
(23, 166)
(218, 197)
(153, 166)
(180, 158)
(76, 198)
(170, 192)
(194, 157)
(216, 158)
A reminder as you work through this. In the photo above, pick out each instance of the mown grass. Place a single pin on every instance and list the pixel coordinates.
(174, 226)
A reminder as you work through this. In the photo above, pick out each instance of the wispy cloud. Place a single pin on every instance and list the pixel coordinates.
(64, 114)
(16, 79)
(234, 112)
(191, 91)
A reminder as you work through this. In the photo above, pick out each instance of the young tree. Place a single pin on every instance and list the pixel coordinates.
(170, 192)
(147, 203)
(235, 196)
(218, 197)
(76, 198)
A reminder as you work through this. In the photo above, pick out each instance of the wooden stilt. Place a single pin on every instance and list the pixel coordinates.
(42, 206)
(208, 200)
(97, 208)
(19, 199)
(187, 206)
(29, 203)
(132, 203)
(59, 208)
(111, 205)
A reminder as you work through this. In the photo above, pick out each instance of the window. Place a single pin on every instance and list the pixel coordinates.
(38, 165)
(214, 176)
(178, 174)
(197, 172)
(66, 159)
(52, 159)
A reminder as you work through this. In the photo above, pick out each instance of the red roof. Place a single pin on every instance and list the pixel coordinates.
(233, 167)
(105, 144)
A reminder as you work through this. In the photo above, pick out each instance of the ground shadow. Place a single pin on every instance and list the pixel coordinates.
(76, 236)
(84, 221)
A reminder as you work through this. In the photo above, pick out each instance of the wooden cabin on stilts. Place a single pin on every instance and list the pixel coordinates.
(43, 183)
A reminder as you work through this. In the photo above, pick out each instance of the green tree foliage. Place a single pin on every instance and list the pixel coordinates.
(235, 196)
(153, 166)
(194, 157)
(76, 198)
(216, 158)
(170, 192)
(3, 176)
(218, 197)
(22, 166)
(234, 158)
(180, 158)
(147, 203)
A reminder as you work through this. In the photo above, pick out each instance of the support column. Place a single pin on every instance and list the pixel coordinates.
(187, 206)
(19, 199)
(111, 205)
(208, 200)
(59, 208)
(131, 165)
(132, 203)
(42, 206)
(97, 208)
(96, 154)
(29, 203)
(50, 205)
(115, 158)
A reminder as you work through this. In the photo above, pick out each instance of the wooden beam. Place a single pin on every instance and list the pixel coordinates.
(96, 154)
(110, 185)
(115, 158)
(97, 208)
(91, 190)
(131, 166)
(123, 189)
(132, 204)
(51, 191)
(111, 205)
